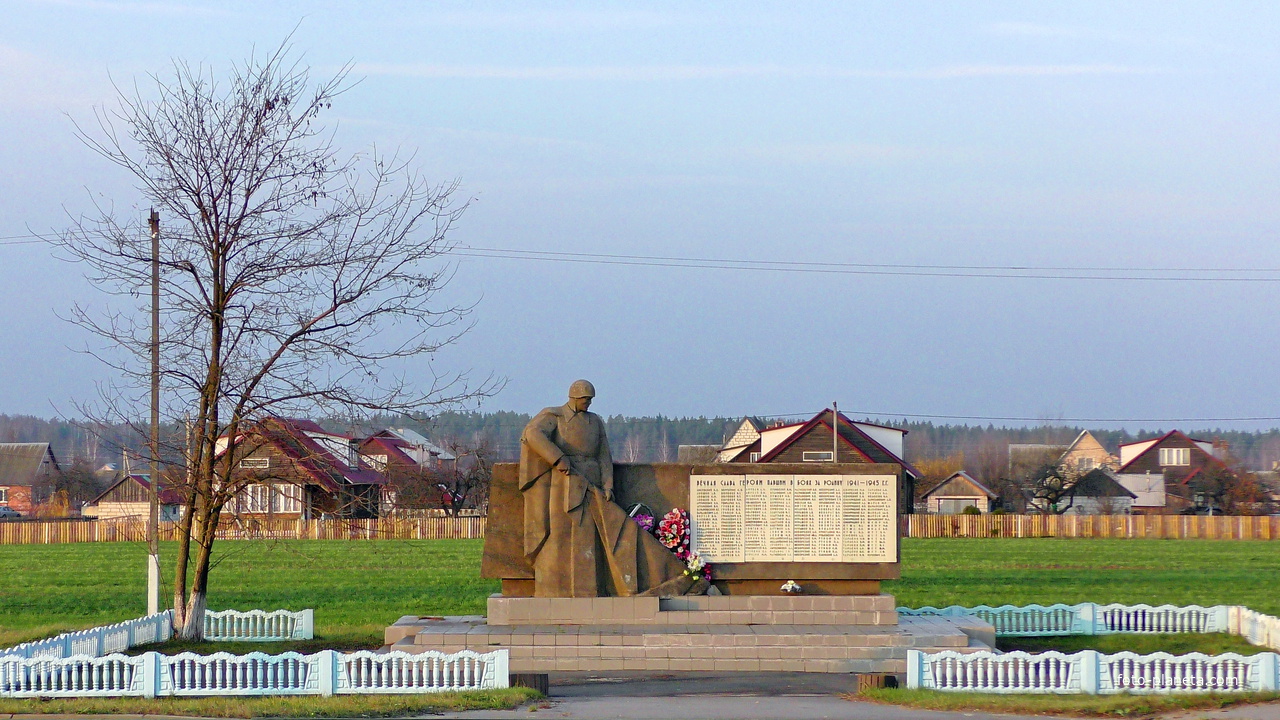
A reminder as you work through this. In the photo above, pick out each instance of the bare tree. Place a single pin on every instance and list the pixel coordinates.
(1052, 488)
(295, 279)
(631, 448)
(465, 483)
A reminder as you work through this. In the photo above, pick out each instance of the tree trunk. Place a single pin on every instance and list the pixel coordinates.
(205, 527)
(180, 565)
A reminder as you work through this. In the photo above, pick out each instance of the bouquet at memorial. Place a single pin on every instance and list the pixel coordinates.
(673, 532)
(695, 566)
(646, 522)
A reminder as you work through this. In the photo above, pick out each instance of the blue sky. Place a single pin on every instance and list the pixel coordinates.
(1075, 134)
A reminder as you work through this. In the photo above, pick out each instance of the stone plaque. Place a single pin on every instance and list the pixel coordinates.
(794, 518)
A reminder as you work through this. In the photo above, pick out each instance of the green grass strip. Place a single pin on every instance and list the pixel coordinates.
(341, 706)
(1069, 705)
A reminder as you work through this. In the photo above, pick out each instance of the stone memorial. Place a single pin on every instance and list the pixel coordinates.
(796, 554)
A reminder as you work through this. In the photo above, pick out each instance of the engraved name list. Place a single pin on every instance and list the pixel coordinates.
(794, 518)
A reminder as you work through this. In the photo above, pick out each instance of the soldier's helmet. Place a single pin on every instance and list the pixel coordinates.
(582, 388)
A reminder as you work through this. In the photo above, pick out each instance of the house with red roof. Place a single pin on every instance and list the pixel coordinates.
(815, 441)
(294, 468)
(1172, 461)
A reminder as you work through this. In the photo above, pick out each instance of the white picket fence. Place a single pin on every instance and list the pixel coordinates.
(1091, 672)
(98, 641)
(1092, 618)
(1095, 673)
(225, 625)
(258, 625)
(328, 672)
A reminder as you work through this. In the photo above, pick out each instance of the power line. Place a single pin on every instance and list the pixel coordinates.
(911, 266)
(881, 269)
(1064, 419)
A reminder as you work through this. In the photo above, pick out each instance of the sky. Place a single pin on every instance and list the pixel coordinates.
(1139, 138)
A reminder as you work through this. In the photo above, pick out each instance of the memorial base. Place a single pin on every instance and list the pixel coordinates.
(825, 634)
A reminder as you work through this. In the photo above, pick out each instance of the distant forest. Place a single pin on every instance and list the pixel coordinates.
(653, 439)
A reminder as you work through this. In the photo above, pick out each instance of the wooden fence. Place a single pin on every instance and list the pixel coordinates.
(1177, 527)
(450, 528)
(135, 530)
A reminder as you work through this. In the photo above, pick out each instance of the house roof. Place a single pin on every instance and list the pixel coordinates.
(1165, 436)
(852, 436)
(697, 454)
(291, 437)
(963, 477)
(1100, 483)
(169, 495)
(392, 446)
(1155, 444)
(415, 439)
(19, 462)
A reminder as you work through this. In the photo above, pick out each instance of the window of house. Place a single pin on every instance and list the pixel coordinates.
(256, 463)
(755, 457)
(4, 495)
(818, 456)
(286, 499)
(379, 462)
(255, 498)
(955, 506)
(1175, 456)
(1085, 464)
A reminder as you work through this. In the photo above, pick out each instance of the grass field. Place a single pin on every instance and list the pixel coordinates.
(359, 587)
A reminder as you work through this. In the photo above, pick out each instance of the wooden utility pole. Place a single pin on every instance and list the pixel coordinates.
(153, 516)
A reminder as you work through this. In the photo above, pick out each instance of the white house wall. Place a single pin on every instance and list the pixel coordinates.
(772, 438)
(1129, 452)
(889, 438)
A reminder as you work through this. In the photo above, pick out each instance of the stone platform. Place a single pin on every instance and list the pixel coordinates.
(829, 634)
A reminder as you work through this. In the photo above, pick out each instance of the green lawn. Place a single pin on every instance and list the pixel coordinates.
(356, 587)
(359, 587)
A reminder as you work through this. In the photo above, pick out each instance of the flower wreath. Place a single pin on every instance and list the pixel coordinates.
(673, 532)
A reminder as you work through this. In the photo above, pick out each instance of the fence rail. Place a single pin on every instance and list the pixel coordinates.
(1179, 527)
(1095, 619)
(1174, 527)
(131, 529)
(258, 625)
(328, 672)
(1091, 672)
(97, 641)
(225, 625)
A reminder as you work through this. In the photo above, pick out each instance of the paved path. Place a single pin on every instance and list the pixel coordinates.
(793, 696)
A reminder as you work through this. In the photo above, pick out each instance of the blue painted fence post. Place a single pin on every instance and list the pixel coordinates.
(151, 674)
(1268, 671)
(305, 629)
(1090, 669)
(915, 669)
(1221, 620)
(328, 672)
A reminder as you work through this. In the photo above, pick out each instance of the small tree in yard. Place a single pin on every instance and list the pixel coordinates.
(466, 481)
(295, 280)
(1052, 488)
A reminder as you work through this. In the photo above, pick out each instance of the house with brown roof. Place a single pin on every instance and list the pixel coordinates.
(958, 492)
(24, 469)
(294, 468)
(816, 441)
(1177, 460)
(130, 497)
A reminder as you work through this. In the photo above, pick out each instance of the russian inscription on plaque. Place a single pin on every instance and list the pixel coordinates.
(794, 518)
